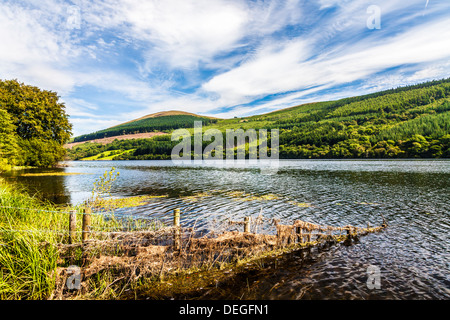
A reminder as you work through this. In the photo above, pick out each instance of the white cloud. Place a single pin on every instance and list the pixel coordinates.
(37, 49)
(287, 69)
(266, 17)
(179, 33)
(256, 76)
(183, 34)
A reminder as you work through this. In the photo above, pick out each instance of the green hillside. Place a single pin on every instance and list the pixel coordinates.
(159, 123)
(411, 122)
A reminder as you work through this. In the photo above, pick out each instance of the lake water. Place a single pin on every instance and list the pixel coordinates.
(413, 195)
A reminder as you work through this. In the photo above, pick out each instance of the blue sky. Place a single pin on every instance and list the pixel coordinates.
(116, 60)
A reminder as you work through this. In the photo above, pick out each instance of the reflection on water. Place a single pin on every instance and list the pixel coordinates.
(413, 195)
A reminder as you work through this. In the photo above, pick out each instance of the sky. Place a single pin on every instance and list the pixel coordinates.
(112, 61)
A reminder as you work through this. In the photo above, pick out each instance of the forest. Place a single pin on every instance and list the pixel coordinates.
(407, 122)
(33, 126)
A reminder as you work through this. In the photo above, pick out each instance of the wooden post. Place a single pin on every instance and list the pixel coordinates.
(86, 223)
(72, 226)
(176, 224)
(279, 236)
(349, 233)
(247, 224)
(299, 232)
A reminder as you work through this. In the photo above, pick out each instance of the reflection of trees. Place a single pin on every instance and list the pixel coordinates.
(47, 188)
(54, 189)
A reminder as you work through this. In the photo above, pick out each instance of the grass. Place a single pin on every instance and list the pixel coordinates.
(31, 264)
(128, 202)
(29, 241)
(27, 256)
(107, 155)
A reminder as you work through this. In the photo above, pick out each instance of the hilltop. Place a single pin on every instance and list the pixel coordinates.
(105, 141)
(163, 114)
(406, 122)
(155, 122)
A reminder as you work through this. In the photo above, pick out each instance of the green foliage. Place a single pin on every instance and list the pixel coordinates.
(27, 257)
(156, 148)
(34, 124)
(102, 187)
(40, 153)
(31, 235)
(8, 141)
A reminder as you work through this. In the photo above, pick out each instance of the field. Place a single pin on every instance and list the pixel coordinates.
(107, 155)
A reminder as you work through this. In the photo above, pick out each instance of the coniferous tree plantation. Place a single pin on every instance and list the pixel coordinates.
(33, 126)
(407, 122)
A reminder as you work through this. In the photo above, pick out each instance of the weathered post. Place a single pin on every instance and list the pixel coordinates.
(72, 226)
(349, 234)
(247, 224)
(86, 223)
(177, 231)
(299, 232)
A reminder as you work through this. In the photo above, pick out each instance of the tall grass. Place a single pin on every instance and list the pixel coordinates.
(27, 253)
(29, 239)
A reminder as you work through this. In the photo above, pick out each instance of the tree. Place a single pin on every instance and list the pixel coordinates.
(8, 141)
(40, 121)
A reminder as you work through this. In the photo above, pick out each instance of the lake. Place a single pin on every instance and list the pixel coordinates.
(413, 195)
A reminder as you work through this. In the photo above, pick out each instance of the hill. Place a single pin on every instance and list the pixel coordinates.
(105, 141)
(412, 121)
(160, 121)
(164, 114)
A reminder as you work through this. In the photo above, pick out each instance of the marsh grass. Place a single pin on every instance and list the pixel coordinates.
(31, 232)
(26, 256)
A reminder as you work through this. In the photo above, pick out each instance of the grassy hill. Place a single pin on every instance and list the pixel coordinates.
(165, 114)
(412, 121)
(161, 121)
